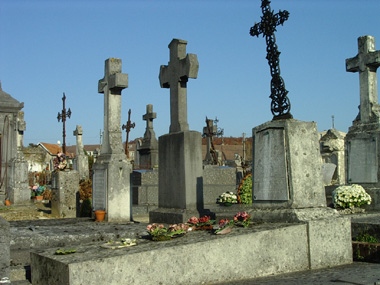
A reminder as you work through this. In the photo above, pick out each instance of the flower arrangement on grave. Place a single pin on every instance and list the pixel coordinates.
(37, 190)
(350, 196)
(245, 190)
(203, 223)
(60, 162)
(227, 199)
(225, 226)
(158, 232)
(242, 218)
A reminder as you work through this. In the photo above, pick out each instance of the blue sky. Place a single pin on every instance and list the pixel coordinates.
(51, 47)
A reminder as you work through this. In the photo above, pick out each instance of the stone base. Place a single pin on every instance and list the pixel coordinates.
(5, 243)
(65, 189)
(18, 190)
(172, 216)
(256, 251)
(287, 171)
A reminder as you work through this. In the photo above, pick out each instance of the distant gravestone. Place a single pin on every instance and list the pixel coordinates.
(180, 151)
(208, 132)
(148, 149)
(362, 142)
(80, 157)
(111, 187)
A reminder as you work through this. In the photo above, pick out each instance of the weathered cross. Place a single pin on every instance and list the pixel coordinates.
(209, 131)
(366, 63)
(63, 116)
(78, 133)
(128, 128)
(175, 75)
(111, 85)
(149, 117)
(280, 105)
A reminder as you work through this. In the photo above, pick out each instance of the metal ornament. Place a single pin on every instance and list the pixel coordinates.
(62, 116)
(280, 105)
(128, 128)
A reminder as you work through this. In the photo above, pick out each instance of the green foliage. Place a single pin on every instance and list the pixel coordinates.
(86, 208)
(366, 237)
(65, 251)
(245, 190)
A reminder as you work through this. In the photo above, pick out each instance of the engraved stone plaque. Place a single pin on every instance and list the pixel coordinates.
(99, 189)
(362, 161)
(270, 171)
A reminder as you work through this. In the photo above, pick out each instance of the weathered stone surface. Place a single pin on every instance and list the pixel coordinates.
(65, 189)
(5, 240)
(145, 187)
(81, 159)
(287, 165)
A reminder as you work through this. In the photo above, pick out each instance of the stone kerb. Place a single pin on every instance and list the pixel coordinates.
(65, 189)
(5, 244)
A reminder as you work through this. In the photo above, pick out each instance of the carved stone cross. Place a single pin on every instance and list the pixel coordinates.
(78, 133)
(149, 117)
(111, 85)
(366, 63)
(175, 75)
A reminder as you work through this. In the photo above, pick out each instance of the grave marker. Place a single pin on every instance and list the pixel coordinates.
(81, 158)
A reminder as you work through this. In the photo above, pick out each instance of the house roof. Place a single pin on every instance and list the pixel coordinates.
(52, 149)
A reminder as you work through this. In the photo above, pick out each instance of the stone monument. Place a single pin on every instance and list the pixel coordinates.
(13, 166)
(81, 159)
(111, 178)
(148, 149)
(363, 137)
(180, 155)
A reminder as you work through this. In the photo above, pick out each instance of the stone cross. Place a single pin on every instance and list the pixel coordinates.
(366, 63)
(175, 75)
(21, 127)
(78, 133)
(62, 116)
(149, 117)
(111, 85)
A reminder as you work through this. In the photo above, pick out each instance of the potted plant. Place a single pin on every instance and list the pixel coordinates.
(225, 227)
(99, 215)
(227, 199)
(203, 223)
(350, 197)
(60, 162)
(242, 219)
(158, 232)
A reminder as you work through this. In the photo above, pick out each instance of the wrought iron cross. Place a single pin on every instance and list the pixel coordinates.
(128, 128)
(280, 105)
(62, 116)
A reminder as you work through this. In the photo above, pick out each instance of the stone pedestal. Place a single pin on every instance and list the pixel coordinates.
(65, 189)
(19, 191)
(287, 165)
(5, 245)
(180, 177)
(111, 182)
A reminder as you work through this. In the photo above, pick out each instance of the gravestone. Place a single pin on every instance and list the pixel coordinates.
(111, 178)
(208, 132)
(332, 152)
(65, 189)
(81, 159)
(363, 137)
(148, 149)
(14, 167)
(180, 151)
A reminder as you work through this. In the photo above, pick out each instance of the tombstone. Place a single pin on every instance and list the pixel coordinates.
(111, 172)
(148, 149)
(208, 132)
(14, 167)
(332, 152)
(363, 138)
(180, 151)
(81, 159)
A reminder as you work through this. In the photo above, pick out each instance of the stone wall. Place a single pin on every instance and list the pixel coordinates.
(5, 240)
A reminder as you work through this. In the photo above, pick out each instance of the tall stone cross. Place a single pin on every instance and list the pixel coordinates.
(111, 85)
(366, 63)
(175, 75)
(79, 133)
(149, 117)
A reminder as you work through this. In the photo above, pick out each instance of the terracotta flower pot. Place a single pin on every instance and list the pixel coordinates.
(99, 215)
(39, 197)
(7, 203)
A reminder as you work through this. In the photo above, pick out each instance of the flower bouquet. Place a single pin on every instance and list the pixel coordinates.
(60, 162)
(158, 232)
(242, 219)
(350, 197)
(227, 199)
(203, 223)
(225, 227)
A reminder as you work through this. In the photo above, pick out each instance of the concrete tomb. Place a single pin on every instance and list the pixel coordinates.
(148, 149)
(81, 159)
(363, 138)
(14, 167)
(180, 151)
(111, 178)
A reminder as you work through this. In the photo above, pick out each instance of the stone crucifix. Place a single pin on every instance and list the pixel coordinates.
(366, 63)
(149, 117)
(111, 85)
(175, 75)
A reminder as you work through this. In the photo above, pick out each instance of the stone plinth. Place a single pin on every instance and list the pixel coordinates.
(145, 187)
(180, 177)
(287, 165)
(65, 189)
(18, 191)
(5, 245)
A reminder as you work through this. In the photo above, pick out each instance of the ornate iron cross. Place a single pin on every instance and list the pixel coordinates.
(128, 128)
(63, 116)
(280, 105)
